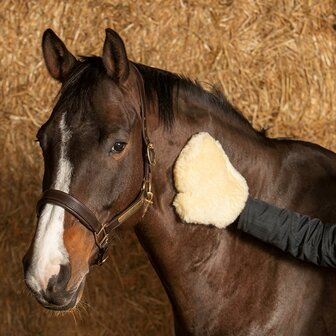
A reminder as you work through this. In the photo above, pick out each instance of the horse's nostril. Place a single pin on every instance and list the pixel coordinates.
(26, 260)
(25, 263)
(59, 282)
(56, 292)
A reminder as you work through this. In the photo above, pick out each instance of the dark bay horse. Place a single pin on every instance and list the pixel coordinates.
(220, 282)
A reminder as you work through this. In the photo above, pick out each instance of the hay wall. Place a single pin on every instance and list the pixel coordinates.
(275, 60)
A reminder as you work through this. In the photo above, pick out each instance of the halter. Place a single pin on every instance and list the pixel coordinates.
(85, 216)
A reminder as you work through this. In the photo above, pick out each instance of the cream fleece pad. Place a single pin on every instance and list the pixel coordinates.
(210, 189)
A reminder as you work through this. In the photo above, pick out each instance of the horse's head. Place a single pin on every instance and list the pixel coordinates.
(92, 148)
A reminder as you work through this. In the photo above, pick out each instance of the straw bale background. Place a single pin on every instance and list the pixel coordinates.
(274, 59)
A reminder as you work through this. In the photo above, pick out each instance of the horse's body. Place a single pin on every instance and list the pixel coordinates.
(222, 282)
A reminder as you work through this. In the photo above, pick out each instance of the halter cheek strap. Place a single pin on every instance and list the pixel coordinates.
(86, 216)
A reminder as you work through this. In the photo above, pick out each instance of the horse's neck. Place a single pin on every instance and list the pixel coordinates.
(250, 152)
(183, 254)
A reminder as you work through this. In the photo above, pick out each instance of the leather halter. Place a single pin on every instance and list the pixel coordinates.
(86, 216)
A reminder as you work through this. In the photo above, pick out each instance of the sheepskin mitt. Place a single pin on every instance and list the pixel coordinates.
(210, 190)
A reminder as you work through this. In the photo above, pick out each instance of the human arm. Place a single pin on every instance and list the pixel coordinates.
(305, 238)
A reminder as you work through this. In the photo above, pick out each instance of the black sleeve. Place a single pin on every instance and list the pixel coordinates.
(303, 237)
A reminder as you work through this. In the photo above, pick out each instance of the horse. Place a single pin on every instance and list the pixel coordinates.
(109, 149)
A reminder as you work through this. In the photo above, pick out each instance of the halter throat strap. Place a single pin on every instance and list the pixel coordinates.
(142, 201)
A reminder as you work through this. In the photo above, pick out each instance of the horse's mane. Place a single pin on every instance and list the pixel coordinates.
(75, 91)
(167, 85)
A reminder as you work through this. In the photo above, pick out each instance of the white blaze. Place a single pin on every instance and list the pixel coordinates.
(49, 249)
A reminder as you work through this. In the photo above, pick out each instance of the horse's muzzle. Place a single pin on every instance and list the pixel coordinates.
(56, 295)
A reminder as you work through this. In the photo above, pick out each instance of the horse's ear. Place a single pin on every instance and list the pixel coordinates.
(58, 58)
(114, 56)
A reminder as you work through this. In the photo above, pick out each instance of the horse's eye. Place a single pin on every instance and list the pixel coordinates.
(118, 147)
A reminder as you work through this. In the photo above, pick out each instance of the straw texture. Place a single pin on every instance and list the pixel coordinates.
(274, 59)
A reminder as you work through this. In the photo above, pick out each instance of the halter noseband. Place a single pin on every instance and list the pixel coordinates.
(86, 216)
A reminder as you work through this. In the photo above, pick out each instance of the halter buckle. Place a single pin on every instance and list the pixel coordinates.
(101, 241)
(151, 154)
(148, 201)
(101, 238)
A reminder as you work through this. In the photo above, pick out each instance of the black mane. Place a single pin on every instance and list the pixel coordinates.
(167, 85)
(75, 92)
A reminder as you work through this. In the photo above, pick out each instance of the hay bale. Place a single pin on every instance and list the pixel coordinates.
(275, 60)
